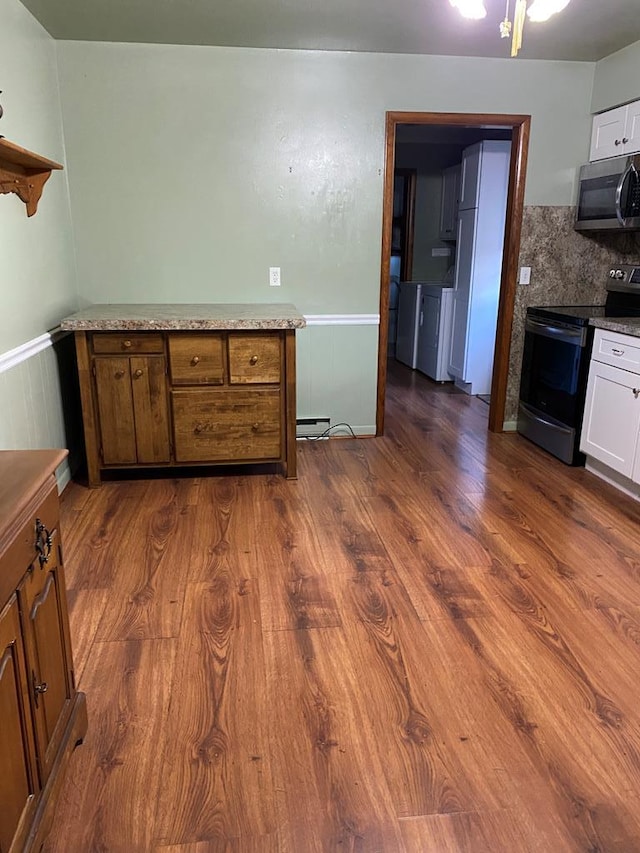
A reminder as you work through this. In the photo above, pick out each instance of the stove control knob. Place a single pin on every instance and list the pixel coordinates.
(619, 274)
(612, 273)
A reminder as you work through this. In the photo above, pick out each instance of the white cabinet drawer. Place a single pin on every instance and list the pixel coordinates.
(618, 350)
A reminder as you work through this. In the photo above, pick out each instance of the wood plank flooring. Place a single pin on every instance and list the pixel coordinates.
(428, 642)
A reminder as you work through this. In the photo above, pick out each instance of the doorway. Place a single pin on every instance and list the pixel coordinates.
(519, 125)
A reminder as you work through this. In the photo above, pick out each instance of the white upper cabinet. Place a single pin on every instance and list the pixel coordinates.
(449, 202)
(616, 132)
(470, 177)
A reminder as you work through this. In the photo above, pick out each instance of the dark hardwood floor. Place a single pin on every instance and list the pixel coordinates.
(428, 642)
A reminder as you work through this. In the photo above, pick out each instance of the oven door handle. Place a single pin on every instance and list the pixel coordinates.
(570, 336)
(536, 416)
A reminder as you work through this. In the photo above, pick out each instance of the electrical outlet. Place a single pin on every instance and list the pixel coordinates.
(274, 276)
(525, 275)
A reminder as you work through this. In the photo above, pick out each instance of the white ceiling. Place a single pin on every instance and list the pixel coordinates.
(585, 30)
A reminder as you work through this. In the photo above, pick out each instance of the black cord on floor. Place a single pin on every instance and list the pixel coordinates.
(327, 432)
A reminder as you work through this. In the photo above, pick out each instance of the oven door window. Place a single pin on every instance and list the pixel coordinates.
(551, 377)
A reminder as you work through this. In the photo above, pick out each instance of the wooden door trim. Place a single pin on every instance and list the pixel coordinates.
(520, 126)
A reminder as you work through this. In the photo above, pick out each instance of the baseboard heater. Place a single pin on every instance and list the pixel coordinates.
(312, 427)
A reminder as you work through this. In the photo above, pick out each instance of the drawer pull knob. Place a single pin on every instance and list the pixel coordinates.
(126, 344)
(43, 543)
(119, 374)
(198, 429)
(138, 373)
(195, 359)
(617, 351)
(253, 359)
(636, 392)
(255, 427)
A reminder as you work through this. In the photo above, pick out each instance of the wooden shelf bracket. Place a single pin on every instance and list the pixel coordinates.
(24, 173)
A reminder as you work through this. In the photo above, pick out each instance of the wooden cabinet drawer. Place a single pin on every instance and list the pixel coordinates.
(110, 343)
(227, 424)
(254, 358)
(22, 551)
(196, 359)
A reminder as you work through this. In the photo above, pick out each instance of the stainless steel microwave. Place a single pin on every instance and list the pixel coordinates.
(609, 195)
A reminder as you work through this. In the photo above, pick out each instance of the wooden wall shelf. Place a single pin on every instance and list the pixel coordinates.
(24, 173)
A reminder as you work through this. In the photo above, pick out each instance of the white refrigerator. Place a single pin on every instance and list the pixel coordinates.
(479, 247)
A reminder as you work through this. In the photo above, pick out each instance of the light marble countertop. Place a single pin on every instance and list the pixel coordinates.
(622, 325)
(197, 317)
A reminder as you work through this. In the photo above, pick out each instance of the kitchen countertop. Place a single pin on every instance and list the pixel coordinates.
(622, 325)
(198, 317)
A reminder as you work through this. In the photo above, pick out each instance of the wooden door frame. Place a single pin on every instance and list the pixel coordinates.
(520, 127)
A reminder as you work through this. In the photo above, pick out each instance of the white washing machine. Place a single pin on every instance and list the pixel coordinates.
(435, 313)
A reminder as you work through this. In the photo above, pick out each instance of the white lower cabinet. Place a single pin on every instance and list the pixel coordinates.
(611, 424)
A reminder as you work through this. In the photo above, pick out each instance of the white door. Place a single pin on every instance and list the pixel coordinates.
(462, 291)
(611, 417)
(407, 324)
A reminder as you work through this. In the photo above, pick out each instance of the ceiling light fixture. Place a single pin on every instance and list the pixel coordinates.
(538, 10)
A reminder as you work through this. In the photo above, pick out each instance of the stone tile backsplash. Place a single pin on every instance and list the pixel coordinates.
(567, 268)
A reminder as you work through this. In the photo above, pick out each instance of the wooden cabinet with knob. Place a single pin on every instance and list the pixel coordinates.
(183, 397)
(616, 132)
(42, 716)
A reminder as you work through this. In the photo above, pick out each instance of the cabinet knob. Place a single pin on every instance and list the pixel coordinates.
(253, 359)
(138, 373)
(127, 344)
(198, 429)
(624, 140)
(617, 142)
(255, 427)
(119, 374)
(39, 687)
(636, 392)
(195, 359)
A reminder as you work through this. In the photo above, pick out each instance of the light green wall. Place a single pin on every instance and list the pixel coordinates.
(37, 266)
(617, 79)
(36, 254)
(194, 169)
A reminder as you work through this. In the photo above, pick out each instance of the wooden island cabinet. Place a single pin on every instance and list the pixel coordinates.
(173, 385)
(42, 716)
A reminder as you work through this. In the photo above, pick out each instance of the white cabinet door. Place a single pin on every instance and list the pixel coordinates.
(449, 202)
(611, 417)
(616, 132)
(632, 129)
(428, 335)
(607, 134)
(470, 177)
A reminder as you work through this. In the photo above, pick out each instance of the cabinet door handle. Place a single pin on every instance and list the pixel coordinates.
(195, 359)
(138, 373)
(119, 374)
(255, 427)
(617, 351)
(126, 344)
(39, 687)
(624, 140)
(617, 142)
(198, 429)
(43, 543)
(253, 359)
(636, 392)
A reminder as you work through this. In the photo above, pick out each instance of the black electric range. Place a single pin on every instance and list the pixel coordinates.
(555, 364)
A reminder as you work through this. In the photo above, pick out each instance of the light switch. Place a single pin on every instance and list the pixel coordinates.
(525, 275)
